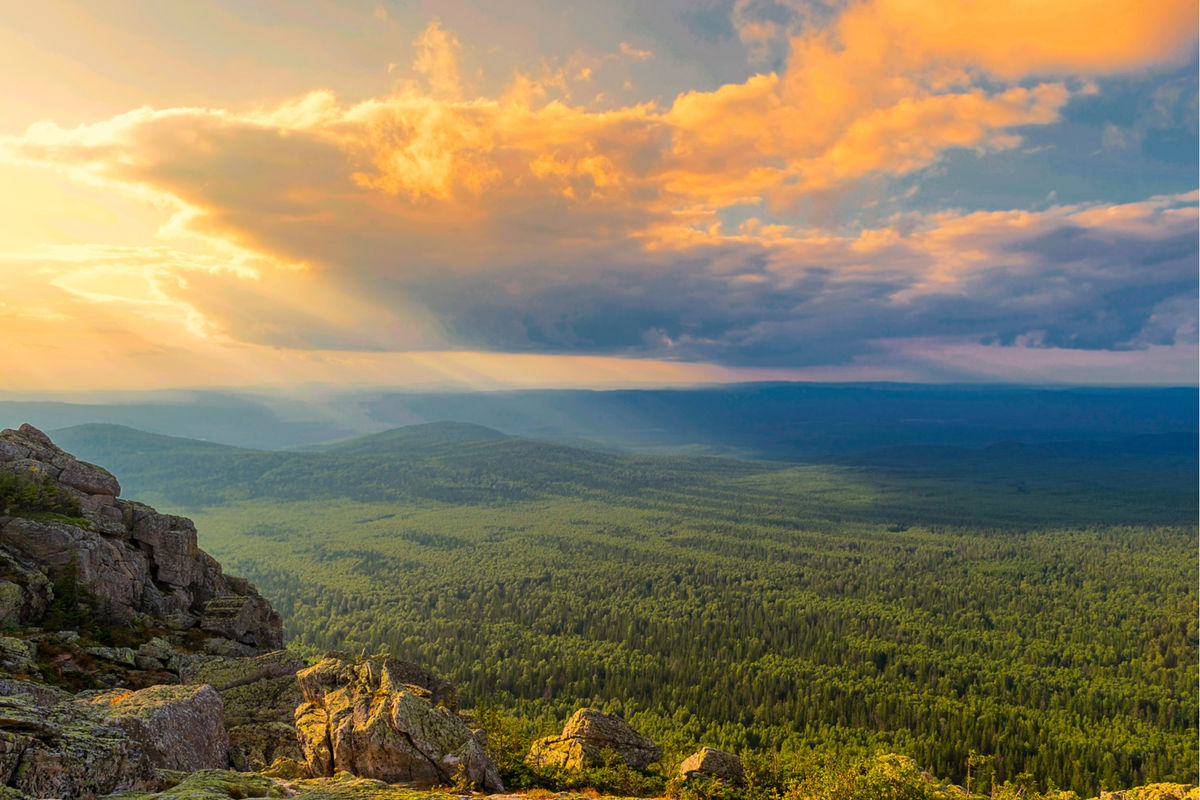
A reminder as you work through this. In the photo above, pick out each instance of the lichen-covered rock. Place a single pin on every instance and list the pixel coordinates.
(1155, 791)
(25, 591)
(53, 746)
(119, 655)
(585, 737)
(213, 784)
(362, 717)
(17, 655)
(337, 669)
(260, 695)
(709, 762)
(179, 727)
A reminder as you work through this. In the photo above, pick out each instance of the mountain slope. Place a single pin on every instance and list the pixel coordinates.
(412, 437)
(442, 462)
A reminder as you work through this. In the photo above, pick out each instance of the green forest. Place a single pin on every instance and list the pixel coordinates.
(1033, 612)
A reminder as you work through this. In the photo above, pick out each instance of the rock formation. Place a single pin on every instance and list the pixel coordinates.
(260, 695)
(709, 762)
(53, 744)
(74, 555)
(133, 563)
(179, 727)
(366, 717)
(585, 737)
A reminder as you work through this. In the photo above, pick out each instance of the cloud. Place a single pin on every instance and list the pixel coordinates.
(1011, 39)
(437, 59)
(635, 53)
(427, 220)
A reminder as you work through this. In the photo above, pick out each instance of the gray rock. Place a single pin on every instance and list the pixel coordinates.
(709, 762)
(249, 620)
(89, 478)
(585, 737)
(25, 591)
(179, 727)
(11, 451)
(260, 696)
(54, 746)
(32, 433)
(107, 571)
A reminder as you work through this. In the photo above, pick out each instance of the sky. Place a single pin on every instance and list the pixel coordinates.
(537, 193)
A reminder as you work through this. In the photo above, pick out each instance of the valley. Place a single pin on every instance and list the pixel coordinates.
(1030, 606)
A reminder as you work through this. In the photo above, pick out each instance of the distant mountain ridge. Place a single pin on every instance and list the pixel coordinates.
(1154, 475)
(777, 421)
(442, 461)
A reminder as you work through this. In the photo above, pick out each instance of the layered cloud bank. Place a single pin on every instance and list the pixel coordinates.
(320, 240)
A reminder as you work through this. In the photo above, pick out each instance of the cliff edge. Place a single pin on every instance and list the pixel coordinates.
(64, 522)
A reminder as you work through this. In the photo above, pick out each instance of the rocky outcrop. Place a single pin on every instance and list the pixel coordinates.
(709, 762)
(586, 737)
(179, 727)
(133, 563)
(52, 745)
(260, 696)
(363, 717)
(72, 550)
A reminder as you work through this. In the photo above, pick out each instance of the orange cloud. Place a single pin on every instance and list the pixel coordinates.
(437, 59)
(885, 89)
(1015, 38)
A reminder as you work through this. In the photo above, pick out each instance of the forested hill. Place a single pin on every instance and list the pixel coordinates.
(413, 437)
(447, 462)
(1147, 479)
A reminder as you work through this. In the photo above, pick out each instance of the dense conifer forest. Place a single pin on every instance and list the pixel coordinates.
(1030, 610)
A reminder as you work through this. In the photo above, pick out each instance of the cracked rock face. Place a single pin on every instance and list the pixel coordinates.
(363, 717)
(586, 737)
(179, 727)
(132, 561)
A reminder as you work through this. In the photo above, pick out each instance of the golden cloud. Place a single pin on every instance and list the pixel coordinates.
(886, 88)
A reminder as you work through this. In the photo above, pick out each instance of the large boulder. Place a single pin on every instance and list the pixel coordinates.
(709, 762)
(52, 745)
(179, 727)
(363, 717)
(586, 737)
